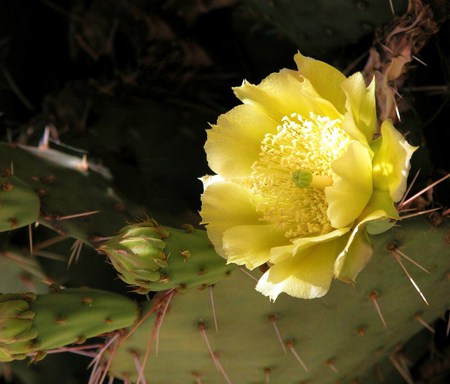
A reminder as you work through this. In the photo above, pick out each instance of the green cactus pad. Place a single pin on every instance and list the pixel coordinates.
(313, 26)
(21, 272)
(77, 198)
(31, 324)
(19, 203)
(338, 338)
(151, 257)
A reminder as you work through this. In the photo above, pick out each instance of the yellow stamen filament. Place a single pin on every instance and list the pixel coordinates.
(293, 170)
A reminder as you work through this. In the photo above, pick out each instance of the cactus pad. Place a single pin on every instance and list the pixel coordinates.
(19, 203)
(37, 323)
(94, 212)
(338, 337)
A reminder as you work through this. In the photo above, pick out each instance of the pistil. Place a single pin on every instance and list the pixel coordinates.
(303, 178)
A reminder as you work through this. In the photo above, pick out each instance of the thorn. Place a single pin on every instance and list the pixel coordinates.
(419, 318)
(401, 367)
(44, 143)
(330, 364)
(420, 61)
(273, 319)
(290, 344)
(30, 237)
(75, 251)
(202, 328)
(397, 111)
(424, 190)
(213, 307)
(49, 255)
(373, 296)
(418, 213)
(448, 326)
(138, 366)
(392, 7)
(198, 379)
(160, 318)
(215, 357)
(102, 370)
(102, 350)
(96, 375)
(84, 165)
(411, 260)
(221, 370)
(139, 323)
(400, 204)
(267, 372)
(248, 274)
(155, 332)
(83, 350)
(49, 242)
(394, 252)
(384, 46)
(75, 215)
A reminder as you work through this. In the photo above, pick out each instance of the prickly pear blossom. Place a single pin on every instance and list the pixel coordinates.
(303, 170)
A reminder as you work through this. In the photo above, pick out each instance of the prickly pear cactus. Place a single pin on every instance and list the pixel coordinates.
(142, 82)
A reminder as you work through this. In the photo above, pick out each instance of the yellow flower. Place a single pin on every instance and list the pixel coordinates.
(300, 177)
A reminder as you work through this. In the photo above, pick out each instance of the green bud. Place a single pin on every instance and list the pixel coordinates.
(16, 326)
(137, 253)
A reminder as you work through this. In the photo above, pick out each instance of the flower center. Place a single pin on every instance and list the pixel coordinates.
(293, 169)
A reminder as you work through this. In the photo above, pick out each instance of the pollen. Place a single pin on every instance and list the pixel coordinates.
(310, 145)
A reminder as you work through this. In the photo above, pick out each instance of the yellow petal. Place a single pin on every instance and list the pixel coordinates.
(352, 189)
(308, 272)
(380, 201)
(283, 93)
(391, 162)
(280, 254)
(360, 119)
(234, 142)
(325, 79)
(251, 244)
(226, 205)
(356, 253)
(356, 256)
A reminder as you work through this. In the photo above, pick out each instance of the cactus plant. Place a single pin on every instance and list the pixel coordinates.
(170, 309)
